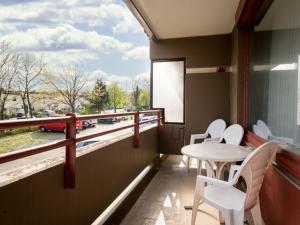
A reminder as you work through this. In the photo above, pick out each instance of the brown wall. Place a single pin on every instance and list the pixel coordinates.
(207, 95)
(207, 98)
(101, 176)
(171, 139)
(202, 51)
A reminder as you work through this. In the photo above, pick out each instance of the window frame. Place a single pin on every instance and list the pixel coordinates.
(184, 80)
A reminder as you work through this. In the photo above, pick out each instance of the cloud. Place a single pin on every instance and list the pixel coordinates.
(64, 37)
(67, 57)
(124, 81)
(108, 78)
(93, 13)
(127, 23)
(65, 32)
(140, 52)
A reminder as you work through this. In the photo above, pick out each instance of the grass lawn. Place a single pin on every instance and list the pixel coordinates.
(27, 139)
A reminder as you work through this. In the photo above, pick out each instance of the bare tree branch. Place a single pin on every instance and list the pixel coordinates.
(69, 84)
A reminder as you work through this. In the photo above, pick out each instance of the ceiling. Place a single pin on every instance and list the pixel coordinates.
(187, 18)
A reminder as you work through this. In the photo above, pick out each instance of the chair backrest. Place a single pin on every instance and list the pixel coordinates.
(258, 131)
(253, 170)
(233, 134)
(265, 129)
(216, 128)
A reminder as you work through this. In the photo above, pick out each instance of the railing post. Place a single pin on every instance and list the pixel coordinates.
(159, 115)
(70, 153)
(136, 141)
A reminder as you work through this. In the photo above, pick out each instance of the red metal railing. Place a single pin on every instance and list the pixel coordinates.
(71, 139)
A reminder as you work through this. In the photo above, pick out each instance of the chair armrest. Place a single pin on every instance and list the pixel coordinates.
(233, 170)
(214, 140)
(197, 136)
(281, 139)
(213, 181)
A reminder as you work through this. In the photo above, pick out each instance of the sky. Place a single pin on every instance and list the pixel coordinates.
(102, 37)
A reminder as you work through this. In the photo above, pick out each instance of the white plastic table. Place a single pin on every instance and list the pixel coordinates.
(219, 153)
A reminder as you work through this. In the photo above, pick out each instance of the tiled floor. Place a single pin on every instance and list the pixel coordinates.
(163, 201)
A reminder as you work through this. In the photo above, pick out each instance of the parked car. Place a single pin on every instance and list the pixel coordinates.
(85, 143)
(146, 117)
(91, 141)
(59, 126)
(20, 116)
(48, 113)
(89, 123)
(122, 118)
(108, 120)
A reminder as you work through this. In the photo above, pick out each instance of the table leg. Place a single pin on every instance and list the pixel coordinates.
(220, 167)
(210, 169)
(199, 168)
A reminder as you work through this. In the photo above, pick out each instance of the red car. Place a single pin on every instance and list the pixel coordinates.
(59, 126)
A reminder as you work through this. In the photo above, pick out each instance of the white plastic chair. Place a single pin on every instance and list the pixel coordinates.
(259, 132)
(268, 135)
(229, 200)
(232, 135)
(214, 131)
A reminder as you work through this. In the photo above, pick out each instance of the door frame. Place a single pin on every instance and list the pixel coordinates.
(184, 78)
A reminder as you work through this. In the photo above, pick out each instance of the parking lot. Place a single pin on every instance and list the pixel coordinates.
(29, 139)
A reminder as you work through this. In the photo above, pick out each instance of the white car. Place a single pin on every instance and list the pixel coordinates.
(89, 123)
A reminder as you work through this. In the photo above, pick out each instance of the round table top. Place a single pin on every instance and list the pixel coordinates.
(216, 152)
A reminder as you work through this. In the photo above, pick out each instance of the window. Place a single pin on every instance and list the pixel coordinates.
(167, 81)
(274, 84)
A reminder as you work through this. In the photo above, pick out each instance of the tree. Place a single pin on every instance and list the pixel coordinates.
(99, 96)
(32, 68)
(69, 84)
(136, 91)
(140, 93)
(144, 99)
(117, 97)
(9, 67)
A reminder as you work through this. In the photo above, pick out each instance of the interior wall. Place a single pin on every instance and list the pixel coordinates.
(100, 177)
(206, 95)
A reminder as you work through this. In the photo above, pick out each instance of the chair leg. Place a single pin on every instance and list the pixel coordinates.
(238, 217)
(221, 217)
(188, 163)
(228, 217)
(197, 199)
(256, 214)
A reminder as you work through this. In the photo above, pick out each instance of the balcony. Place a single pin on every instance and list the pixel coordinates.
(163, 201)
(234, 61)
